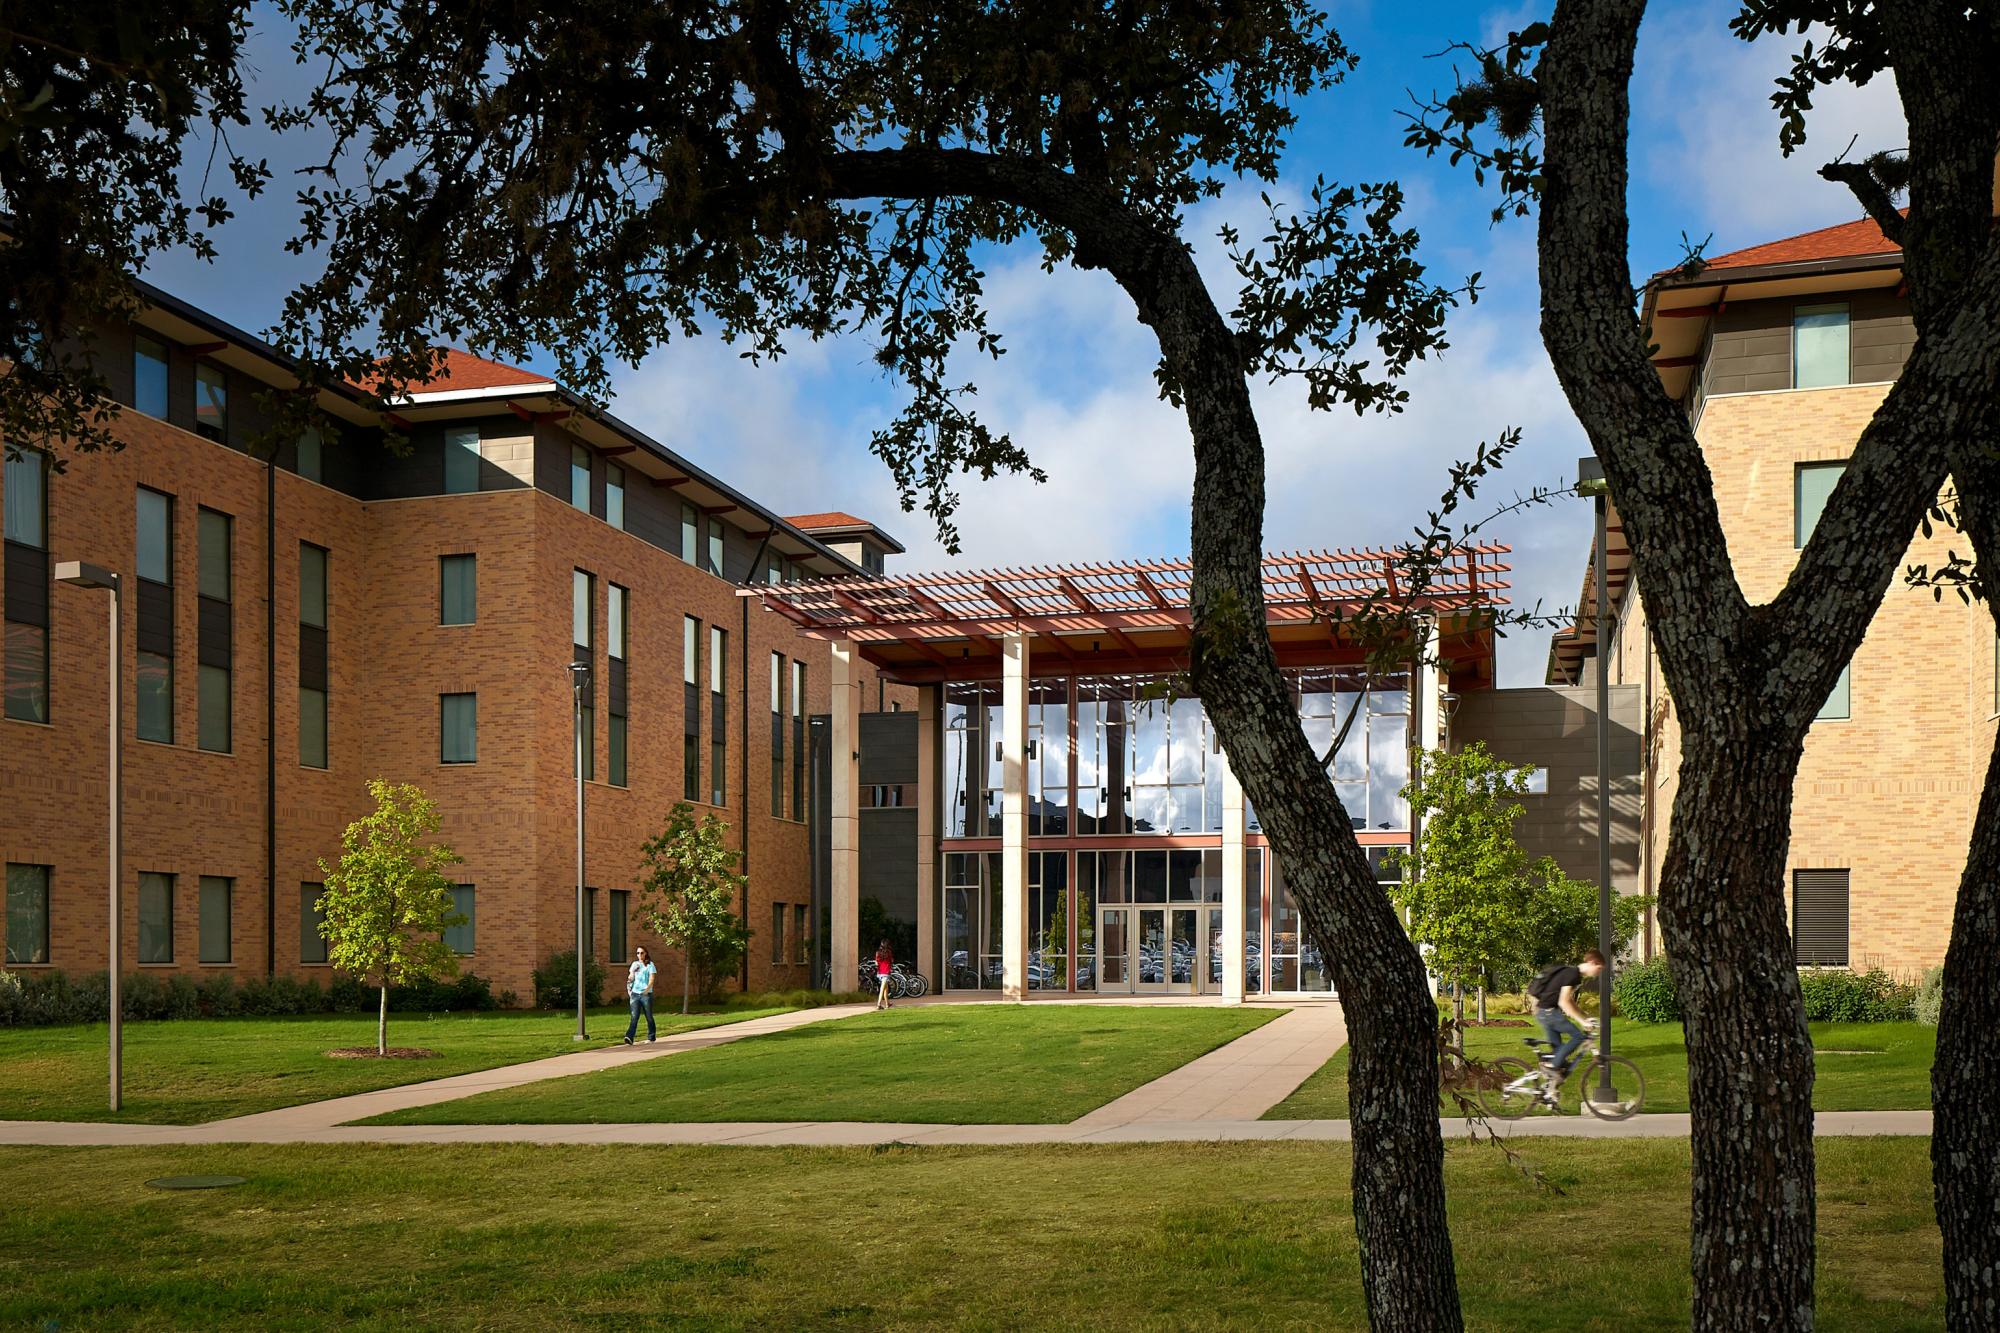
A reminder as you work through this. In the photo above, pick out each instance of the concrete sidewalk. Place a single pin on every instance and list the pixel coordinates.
(1236, 1082)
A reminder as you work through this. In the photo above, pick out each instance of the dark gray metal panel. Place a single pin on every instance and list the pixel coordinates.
(27, 597)
(213, 632)
(312, 657)
(1819, 918)
(156, 618)
(1751, 347)
(888, 748)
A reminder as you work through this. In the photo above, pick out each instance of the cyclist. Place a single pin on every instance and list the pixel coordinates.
(1565, 1025)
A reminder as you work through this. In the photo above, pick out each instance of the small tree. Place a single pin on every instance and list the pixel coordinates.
(387, 904)
(1466, 886)
(1562, 917)
(688, 884)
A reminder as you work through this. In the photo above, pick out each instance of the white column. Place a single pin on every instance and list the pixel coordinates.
(927, 825)
(1429, 688)
(1014, 815)
(845, 828)
(1232, 884)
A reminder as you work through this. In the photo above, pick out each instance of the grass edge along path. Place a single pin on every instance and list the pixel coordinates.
(189, 1071)
(1860, 1067)
(927, 1064)
(1187, 1235)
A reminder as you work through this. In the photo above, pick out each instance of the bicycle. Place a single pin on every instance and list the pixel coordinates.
(870, 982)
(915, 984)
(1525, 1089)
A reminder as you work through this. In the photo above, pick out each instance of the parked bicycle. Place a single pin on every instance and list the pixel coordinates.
(905, 983)
(1519, 1089)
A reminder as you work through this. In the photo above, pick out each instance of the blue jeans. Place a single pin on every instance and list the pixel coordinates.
(641, 1004)
(1563, 1034)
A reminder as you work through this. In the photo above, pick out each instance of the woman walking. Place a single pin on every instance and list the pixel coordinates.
(639, 994)
(884, 960)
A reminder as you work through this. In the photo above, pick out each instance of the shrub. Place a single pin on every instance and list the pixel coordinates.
(218, 995)
(351, 995)
(272, 997)
(431, 995)
(1646, 992)
(1838, 995)
(1930, 998)
(39, 999)
(555, 982)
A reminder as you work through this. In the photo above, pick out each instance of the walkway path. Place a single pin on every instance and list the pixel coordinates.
(1239, 1081)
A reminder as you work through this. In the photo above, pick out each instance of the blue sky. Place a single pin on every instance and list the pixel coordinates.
(1076, 386)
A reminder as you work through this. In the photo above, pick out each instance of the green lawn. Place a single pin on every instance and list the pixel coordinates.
(1254, 1236)
(189, 1070)
(934, 1064)
(1861, 1067)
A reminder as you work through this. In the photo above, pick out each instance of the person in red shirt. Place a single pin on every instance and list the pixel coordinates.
(884, 960)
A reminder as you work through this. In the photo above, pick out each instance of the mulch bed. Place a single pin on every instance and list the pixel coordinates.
(393, 1053)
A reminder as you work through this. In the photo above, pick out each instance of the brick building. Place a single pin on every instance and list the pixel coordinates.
(347, 610)
(1781, 353)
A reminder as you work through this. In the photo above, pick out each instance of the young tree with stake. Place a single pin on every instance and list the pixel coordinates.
(686, 887)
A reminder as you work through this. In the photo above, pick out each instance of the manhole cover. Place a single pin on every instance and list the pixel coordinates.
(195, 1182)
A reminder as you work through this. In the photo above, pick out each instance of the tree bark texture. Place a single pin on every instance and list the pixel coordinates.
(1407, 1271)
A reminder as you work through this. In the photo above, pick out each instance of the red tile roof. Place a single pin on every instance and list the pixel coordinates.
(463, 370)
(833, 518)
(1848, 240)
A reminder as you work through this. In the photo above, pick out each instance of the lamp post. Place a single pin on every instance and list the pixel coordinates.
(579, 681)
(1590, 481)
(81, 574)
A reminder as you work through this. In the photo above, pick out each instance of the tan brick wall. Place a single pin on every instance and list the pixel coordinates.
(1887, 793)
(511, 815)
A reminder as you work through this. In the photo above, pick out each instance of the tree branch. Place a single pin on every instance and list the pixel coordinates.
(1875, 200)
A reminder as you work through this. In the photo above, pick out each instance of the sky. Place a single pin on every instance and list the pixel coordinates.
(1076, 386)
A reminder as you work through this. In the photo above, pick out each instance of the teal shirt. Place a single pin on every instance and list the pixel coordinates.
(639, 978)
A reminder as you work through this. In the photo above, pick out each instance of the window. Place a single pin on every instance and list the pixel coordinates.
(618, 630)
(211, 402)
(1820, 346)
(614, 495)
(718, 731)
(799, 933)
(777, 932)
(690, 532)
(1819, 918)
(459, 938)
(26, 576)
(155, 690)
(621, 901)
(590, 923)
(777, 736)
(461, 460)
(799, 741)
(690, 708)
(214, 944)
(581, 594)
(579, 477)
(1839, 701)
(155, 565)
(27, 913)
(583, 599)
(458, 728)
(313, 577)
(156, 536)
(214, 653)
(156, 917)
(149, 376)
(307, 453)
(1538, 782)
(312, 944)
(715, 546)
(1812, 485)
(458, 589)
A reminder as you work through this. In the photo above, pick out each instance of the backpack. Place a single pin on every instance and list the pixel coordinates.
(1538, 988)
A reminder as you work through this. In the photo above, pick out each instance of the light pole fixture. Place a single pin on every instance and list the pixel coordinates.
(579, 681)
(1590, 481)
(81, 574)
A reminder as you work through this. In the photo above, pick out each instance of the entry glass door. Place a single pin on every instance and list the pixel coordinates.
(1152, 962)
(1183, 950)
(1114, 950)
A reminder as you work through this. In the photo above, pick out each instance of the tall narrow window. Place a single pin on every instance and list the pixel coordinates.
(215, 631)
(621, 908)
(27, 914)
(155, 674)
(211, 402)
(799, 741)
(461, 460)
(590, 923)
(1812, 487)
(458, 589)
(618, 635)
(690, 533)
(312, 944)
(715, 546)
(583, 598)
(777, 932)
(1840, 699)
(462, 938)
(214, 944)
(718, 727)
(579, 477)
(458, 728)
(312, 655)
(1819, 918)
(1820, 342)
(799, 934)
(690, 708)
(26, 624)
(306, 454)
(156, 917)
(149, 376)
(614, 495)
(777, 737)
